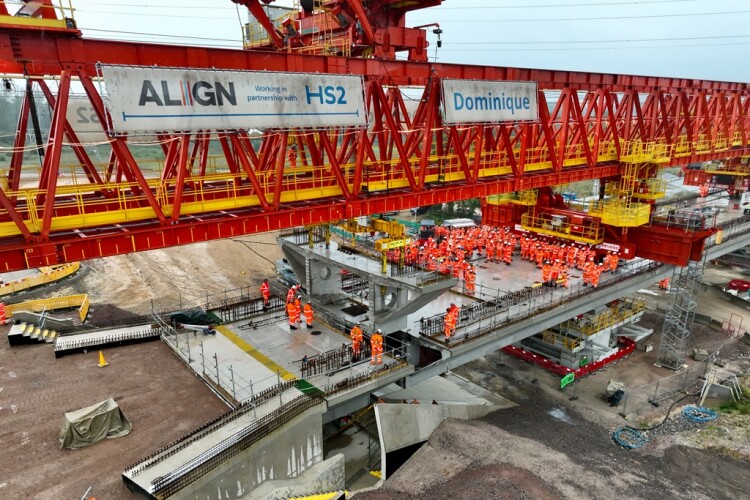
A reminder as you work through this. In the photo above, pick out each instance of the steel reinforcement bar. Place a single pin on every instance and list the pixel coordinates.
(170, 484)
(207, 428)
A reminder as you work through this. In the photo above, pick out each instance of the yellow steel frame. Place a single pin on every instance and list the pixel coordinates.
(296, 186)
(80, 301)
(48, 275)
(657, 188)
(526, 198)
(385, 244)
(65, 13)
(614, 315)
(592, 235)
(615, 212)
(567, 342)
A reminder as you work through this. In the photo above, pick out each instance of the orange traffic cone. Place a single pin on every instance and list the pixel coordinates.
(102, 361)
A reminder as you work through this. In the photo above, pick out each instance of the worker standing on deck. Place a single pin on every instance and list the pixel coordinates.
(291, 293)
(293, 313)
(265, 293)
(298, 306)
(448, 323)
(596, 273)
(308, 310)
(546, 273)
(376, 342)
(357, 337)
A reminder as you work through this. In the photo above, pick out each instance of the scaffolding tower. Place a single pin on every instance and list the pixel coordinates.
(680, 314)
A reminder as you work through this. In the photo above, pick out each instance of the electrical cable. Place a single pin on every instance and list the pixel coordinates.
(666, 417)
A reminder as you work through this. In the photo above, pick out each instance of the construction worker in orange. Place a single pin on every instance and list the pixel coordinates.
(308, 310)
(298, 306)
(356, 335)
(546, 273)
(376, 342)
(564, 278)
(291, 293)
(595, 274)
(664, 284)
(450, 320)
(265, 293)
(292, 153)
(614, 260)
(293, 313)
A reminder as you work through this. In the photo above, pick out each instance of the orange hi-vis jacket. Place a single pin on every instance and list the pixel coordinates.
(308, 310)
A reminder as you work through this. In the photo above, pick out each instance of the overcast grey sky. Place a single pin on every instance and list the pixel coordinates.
(683, 38)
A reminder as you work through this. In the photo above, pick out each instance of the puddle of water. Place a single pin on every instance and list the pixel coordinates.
(561, 414)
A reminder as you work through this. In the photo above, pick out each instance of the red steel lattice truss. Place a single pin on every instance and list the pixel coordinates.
(590, 126)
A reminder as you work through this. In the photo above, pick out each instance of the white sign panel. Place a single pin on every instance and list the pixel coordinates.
(485, 101)
(84, 121)
(158, 99)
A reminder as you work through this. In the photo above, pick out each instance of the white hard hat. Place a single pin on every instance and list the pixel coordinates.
(380, 331)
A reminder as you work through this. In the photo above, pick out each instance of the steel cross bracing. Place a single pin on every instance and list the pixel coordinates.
(216, 185)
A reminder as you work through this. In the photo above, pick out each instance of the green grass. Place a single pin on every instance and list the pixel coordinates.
(741, 407)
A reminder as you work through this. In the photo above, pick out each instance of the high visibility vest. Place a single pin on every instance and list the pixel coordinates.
(308, 310)
(265, 290)
(356, 334)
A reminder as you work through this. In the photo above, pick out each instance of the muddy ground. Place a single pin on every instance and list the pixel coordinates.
(161, 396)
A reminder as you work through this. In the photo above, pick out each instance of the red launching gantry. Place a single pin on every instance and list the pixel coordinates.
(210, 184)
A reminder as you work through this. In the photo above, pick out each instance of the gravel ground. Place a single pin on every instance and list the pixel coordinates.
(160, 396)
(554, 445)
(548, 450)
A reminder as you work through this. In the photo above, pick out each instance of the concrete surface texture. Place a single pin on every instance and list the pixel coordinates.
(325, 476)
(283, 454)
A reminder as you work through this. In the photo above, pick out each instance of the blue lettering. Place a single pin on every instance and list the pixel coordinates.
(342, 95)
(330, 96)
(318, 94)
(458, 101)
(525, 103)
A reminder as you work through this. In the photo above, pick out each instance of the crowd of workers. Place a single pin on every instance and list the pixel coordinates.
(452, 250)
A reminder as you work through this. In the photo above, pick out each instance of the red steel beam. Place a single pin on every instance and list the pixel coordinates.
(37, 54)
(75, 246)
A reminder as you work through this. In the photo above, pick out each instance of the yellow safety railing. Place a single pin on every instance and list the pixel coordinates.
(526, 197)
(66, 302)
(614, 315)
(591, 232)
(617, 213)
(650, 189)
(54, 273)
(645, 152)
(569, 343)
(723, 169)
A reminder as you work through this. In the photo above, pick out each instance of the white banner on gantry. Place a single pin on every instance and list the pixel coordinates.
(485, 101)
(143, 100)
